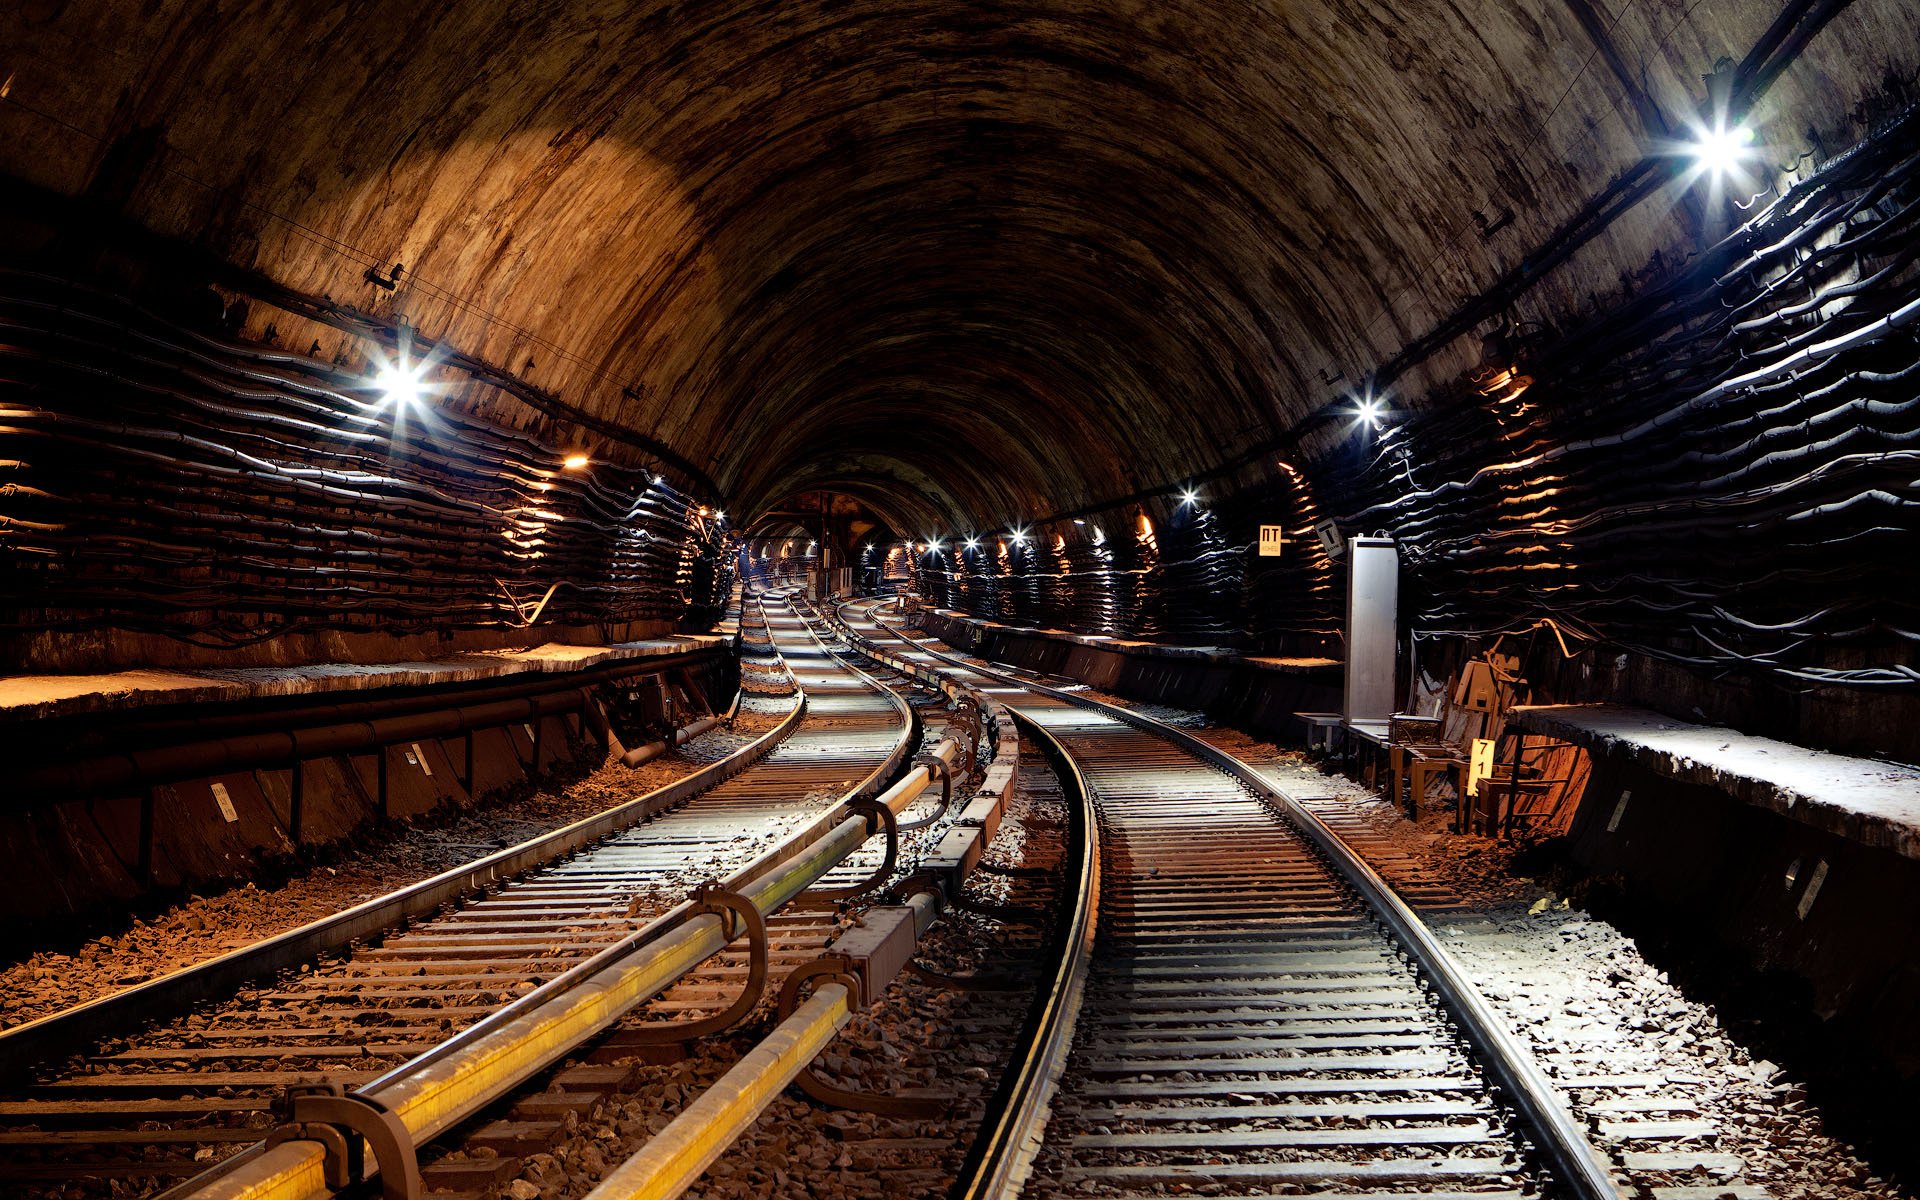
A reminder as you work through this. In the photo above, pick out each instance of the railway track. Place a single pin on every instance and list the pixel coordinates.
(1246, 1007)
(1260, 1012)
(167, 1102)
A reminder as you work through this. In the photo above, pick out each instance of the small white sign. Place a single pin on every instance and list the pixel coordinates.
(1272, 538)
(1479, 764)
(1813, 889)
(1619, 810)
(1329, 534)
(225, 802)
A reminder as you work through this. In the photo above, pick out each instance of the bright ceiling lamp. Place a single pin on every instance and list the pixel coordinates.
(1720, 150)
(401, 385)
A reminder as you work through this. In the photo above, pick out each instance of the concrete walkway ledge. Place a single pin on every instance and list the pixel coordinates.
(1141, 648)
(1865, 800)
(36, 697)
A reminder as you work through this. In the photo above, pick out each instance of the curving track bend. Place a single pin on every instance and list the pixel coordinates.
(1247, 1026)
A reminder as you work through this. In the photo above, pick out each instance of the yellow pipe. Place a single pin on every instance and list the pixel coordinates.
(901, 794)
(668, 1164)
(446, 1092)
(290, 1171)
(675, 1157)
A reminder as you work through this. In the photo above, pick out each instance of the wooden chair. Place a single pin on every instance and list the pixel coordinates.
(1426, 747)
(1528, 786)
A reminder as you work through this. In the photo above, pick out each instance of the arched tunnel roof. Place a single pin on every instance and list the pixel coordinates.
(973, 262)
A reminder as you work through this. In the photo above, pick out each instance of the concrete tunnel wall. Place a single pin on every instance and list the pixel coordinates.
(1099, 287)
(975, 268)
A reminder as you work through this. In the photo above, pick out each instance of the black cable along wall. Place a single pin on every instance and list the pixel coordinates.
(1721, 472)
(769, 562)
(1184, 577)
(164, 481)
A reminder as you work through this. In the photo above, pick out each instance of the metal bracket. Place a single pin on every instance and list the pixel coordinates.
(931, 762)
(879, 817)
(835, 968)
(337, 1119)
(967, 712)
(921, 880)
(710, 897)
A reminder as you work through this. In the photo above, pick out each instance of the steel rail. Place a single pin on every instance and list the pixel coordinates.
(1574, 1160)
(436, 1090)
(1001, 1158)
(610, 955)
(675, 1158)
(70, 1031)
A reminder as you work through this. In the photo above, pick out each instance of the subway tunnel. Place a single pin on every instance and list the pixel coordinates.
(1023, 494)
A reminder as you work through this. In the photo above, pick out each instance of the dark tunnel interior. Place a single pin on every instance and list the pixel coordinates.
(349, 351)
(987, 269)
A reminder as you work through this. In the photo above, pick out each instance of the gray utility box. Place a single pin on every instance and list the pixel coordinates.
(879, 946)
(1373, 603)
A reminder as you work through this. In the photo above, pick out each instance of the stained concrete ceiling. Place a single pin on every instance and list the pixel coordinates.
(969, 262)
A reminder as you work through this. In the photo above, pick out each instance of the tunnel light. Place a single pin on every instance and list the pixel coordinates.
(719, 514)
(575, 462)
(1188, 496)
(973, 543)
(1019, 537)
(1720, 150)
(1369, 412)
(401, 385)
(1079, 520)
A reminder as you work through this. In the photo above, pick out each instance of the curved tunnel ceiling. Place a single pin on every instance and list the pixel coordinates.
(1075, 248)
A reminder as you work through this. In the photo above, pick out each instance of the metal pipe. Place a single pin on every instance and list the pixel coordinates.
(456, 1079)
(681, 736)
(674, 1158)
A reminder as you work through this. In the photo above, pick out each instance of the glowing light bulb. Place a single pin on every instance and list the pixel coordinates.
(575, 462)
(1188, 496)
(1369, 412)
(1719, 151)
(400, 386)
